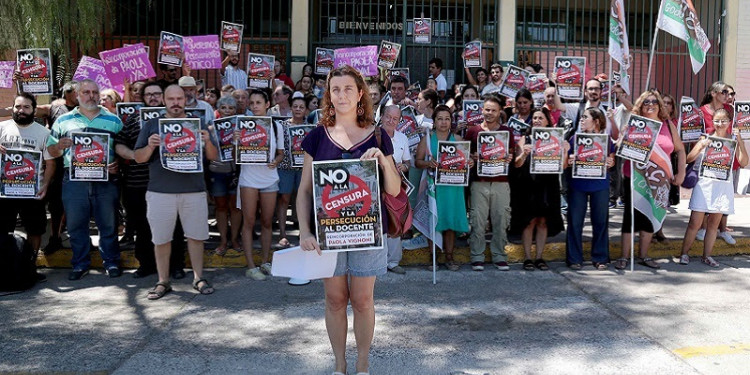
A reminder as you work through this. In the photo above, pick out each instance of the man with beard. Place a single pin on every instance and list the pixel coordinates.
(436, 72)
(231, 73)
(82, 199)
(593, 99)
(134, 193)
(171, 194)
(496, 76)
(170, 74)
(190, 88)
(23, 133)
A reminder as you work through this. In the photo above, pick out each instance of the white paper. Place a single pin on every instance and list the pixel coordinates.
(299, 264)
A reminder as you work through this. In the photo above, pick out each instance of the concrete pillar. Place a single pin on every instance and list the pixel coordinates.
(300, 38)
(506, 30)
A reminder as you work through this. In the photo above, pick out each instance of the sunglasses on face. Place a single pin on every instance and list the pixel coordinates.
(725, 92)
(732, 93)
(650, 102)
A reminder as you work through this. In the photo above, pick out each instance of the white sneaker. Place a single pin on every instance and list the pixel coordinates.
(726, 237)
(684, 259)
(255, 274)
(700, 235)
(266, 268)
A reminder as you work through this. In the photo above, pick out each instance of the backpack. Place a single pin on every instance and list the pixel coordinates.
(17, 263)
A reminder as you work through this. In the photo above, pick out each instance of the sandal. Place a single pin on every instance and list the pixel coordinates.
(541, 264)
(621, 263)
(204, 288)
(528, 265)
(710, 262)
(600, 266)
(283, 243)
(575, 266)
(649, 262)
(221, 250)
(157, 293)
(452, 266)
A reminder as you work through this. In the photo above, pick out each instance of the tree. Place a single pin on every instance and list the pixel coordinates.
(68, 28)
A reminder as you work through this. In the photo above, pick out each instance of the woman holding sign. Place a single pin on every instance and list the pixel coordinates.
(651, 106)
(347, 132)
(224, 190)
(712, 197)
(451, 204)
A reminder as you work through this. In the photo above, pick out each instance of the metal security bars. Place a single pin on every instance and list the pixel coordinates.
(339, 24)
(549, 28)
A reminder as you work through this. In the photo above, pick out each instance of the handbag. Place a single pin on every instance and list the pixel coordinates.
(397, 208)
(691, 176)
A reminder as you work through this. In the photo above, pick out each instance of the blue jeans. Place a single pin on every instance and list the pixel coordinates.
(82, 200)
(577, 202)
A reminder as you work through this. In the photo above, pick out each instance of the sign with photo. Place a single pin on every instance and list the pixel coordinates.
(590, 155)
(453, 163)
(718, 158)
(570, 76)
(742, 118)
(260, 70)
(255, 138)
(547, 151)
(639, 139)
(411, 129)
(514, 80)
(519, 128)
(35, 68)
(388, 55)
(492, 153)
(224, 132)
(423, 30)
(181, 148)
(473, 54)
(89, 156)
(690, 124)
(473, 112)
(537, 84)
(127, 109)
(324, 58)
(231, 36)
(20, 173)
(171, 49)
(297, 134)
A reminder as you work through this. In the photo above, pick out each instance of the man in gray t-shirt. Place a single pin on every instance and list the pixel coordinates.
(170, 194)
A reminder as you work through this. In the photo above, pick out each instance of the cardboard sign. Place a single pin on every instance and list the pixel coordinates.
(125, 110)
(171, 49)
(388, 55)
(590, 155)
(254, 143)
(718, 158)
(519, 128)
(547, 151)
(423, 30)
(7, 69)
(91, 68)
(20, 173)
(537, 84)
(453, 159)
(492, 153)
(364, 59)
(231, 36)
(742, 118)
(89, 156)
(570, 76)
(639, 139)
(411, 129)
(181, 147)
(259, 70)
(35, 66)
(324, 58)
(690, 124)
(129, 62)
(473, 112)
(346, 196)
(514, 80)
(473, 54)
(224, 132)
(297, 134)
(203, 52)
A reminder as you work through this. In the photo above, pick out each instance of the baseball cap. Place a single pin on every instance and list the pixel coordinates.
(187, 81)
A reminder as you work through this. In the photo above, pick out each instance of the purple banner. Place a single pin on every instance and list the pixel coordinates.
(202, 52)
(7, 68)
(364, 59)
(91, 68)
(129, 62)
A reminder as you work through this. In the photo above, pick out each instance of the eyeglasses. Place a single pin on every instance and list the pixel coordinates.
(725, 92)
(732, 93)
(152, 94)
(720, 122)
(650, 102)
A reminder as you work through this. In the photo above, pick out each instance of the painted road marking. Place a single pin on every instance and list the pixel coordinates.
(697, 351)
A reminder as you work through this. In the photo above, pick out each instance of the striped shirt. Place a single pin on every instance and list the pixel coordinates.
(73, 121)
(136, 173)
(234, 76)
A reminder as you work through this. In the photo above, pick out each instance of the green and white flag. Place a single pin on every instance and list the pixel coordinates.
(618, 34)
(425, 211)
(679, 18)
(651, 184)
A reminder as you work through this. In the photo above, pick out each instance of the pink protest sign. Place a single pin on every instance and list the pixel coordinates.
(364, 59)
(91, 68)
(129, 62)
(6, 74)
(202, 52)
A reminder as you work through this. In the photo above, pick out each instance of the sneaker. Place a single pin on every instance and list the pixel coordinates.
(77, 274)
(612, 204)
(727, 237)
(398, 270)
(255, 274)
(53, 245)
(113, 272)
(700, 235)
(127, 243)
(684, 259)
(477, 266)
(620, 203)
(266, 268)
(502, 266)
(710, 262)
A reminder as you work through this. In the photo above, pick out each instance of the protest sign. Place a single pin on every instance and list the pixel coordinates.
(519, 128)
(492, 153)
(147, 113)
(388, 55)
(171, 49)
(413, 91)
(691, 126)
(202, 52)
(20, 173)
(7, 69)
(254, 143)
(453, 159)
(403, 72)
(231, 36)
(324, 58)
(639, 139)
(515, 79)
(364, 59)
(346, 196)
(569, 76)
(473, 112)
(742, 118)
(411, 129)
(718, 158)
(537, 84)
(125, 110)
(297, 134)
(473, 54)
(547, 151)
(260, 70)
(224, 132)
(93, 69)
(89, 156)
(423, 30)
(129, 62)
(181, 148)
(590, 155)
(35, 67)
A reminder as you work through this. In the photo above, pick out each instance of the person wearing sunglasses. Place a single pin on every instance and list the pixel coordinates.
(731, 95)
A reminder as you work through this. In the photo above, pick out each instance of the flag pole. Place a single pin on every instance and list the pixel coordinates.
(651, 56)
(609, 78)
(632, 218)
(428, 141)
